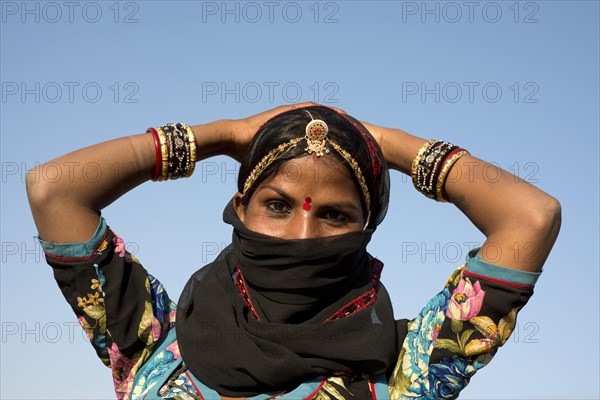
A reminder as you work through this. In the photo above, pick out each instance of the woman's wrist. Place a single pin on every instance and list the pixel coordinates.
(399, 148)
(213, 139)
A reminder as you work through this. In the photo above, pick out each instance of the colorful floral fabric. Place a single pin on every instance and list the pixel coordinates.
(124, 310)
(452, 337)
(130, 319)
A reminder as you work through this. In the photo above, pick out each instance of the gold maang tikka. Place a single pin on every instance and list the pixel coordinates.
(316, 135)
(316, 142)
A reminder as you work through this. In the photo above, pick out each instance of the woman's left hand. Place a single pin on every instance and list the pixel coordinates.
(376, 132)
(398, 147)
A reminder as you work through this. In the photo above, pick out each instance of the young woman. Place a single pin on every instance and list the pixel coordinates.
(294, 307)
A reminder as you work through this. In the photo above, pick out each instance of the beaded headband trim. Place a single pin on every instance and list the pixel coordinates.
(316, 142)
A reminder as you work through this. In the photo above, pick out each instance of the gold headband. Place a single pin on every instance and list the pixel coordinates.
(316, 140)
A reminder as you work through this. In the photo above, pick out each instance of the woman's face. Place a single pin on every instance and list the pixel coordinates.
(310, 197)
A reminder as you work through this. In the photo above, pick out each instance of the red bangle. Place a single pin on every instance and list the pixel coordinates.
(157, 168)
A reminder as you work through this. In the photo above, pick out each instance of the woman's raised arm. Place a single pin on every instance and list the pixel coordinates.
(520, 221)
(65, 209)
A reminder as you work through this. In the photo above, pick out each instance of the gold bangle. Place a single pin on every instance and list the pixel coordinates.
(192, 156)
(164, 151)
(443, 175)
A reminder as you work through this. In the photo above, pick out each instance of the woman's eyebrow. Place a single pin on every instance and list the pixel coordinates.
(279, 192)
(340, 205)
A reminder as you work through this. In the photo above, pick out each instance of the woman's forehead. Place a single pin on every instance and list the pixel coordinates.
(326, 175)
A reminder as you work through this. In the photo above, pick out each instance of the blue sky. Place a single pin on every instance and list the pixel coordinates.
(516, 83)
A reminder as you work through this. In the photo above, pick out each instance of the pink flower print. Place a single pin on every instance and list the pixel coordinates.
(86, 328)
(121, 367)
(466, 301)
(174, 348)
(436, 331)
(120, 247)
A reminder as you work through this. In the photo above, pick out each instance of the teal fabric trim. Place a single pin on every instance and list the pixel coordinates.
(76, 249)
(382, 390)
(301, 392)
(206, 392)
(478, 266)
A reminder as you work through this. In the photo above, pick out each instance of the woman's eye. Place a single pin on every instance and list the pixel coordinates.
(278, 207)
(336, 216)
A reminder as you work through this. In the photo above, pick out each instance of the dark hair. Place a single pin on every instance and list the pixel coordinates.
(346, 131)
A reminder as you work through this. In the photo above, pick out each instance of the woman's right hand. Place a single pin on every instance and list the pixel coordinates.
(243, 130)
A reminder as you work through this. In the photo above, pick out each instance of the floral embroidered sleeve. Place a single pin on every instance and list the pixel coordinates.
(460, 329)
(124, 310)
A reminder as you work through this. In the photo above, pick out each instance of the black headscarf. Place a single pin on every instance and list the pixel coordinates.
(269, 314)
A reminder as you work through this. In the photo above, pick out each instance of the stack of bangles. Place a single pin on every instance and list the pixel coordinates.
(175, 151)
(431, 166)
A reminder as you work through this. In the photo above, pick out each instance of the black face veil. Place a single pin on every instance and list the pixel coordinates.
(269, 314)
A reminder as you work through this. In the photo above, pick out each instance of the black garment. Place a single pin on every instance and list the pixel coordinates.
(119, 305)
(288, 329)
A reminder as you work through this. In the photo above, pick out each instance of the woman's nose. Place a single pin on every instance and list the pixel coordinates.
(304, 226)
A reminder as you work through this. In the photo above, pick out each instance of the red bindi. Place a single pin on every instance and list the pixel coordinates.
(306, 206)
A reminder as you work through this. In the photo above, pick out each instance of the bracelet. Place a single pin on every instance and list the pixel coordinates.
(157, 168)
(431, 166)
(164, 151)
(448, 163)
(415, 163)
(438, 152)
(192, 142)
(175, 151)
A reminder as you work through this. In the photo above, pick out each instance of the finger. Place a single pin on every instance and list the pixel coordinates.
(339, 110)
(302, 105)
(281, 109)
(311, 103)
